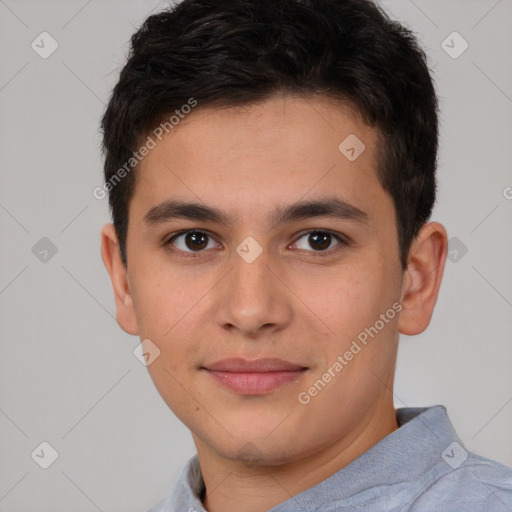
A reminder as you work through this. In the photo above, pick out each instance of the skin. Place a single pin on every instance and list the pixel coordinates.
(294, 301)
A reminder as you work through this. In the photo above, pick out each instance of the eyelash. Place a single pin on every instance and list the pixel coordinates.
(343, 242)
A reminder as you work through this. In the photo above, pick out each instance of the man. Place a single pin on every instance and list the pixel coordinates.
(271, 173)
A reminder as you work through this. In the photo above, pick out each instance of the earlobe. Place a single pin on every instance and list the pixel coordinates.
(111, 256)
(422, 281)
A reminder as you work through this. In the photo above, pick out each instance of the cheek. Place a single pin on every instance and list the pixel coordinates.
(163, 297)
(345, 298)
(167, 308)
(171, 308)
(349, 301)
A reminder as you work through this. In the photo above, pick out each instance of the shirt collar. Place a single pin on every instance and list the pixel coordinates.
(423, 434)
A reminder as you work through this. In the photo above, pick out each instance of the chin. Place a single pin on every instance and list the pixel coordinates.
(254, 445)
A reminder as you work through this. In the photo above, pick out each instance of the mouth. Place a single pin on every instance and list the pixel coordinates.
(254, 377)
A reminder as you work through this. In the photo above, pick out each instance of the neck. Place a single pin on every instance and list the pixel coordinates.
(232, 485)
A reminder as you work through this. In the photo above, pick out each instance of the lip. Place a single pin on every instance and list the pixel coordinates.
(254, 377)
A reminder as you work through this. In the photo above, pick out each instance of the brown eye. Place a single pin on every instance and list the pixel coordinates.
(319, 241)
(196, 240)
(191, 241)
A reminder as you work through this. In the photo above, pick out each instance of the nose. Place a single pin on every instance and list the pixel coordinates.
(253, 300)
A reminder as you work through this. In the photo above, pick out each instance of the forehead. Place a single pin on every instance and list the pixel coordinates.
(261, 155)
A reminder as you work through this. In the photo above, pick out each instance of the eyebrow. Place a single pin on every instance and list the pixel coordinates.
(331, 207)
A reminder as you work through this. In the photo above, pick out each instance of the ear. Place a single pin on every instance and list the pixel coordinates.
(117, 270)
(422, 279)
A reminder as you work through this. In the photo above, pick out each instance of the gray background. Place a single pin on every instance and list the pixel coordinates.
(67, 372)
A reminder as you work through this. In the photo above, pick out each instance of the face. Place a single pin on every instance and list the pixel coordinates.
(259, 297)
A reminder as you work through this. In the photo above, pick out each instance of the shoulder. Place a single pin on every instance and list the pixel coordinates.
(477, 485)
(185, 496)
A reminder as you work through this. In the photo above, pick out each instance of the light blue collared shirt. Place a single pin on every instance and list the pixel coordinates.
(420, 467)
